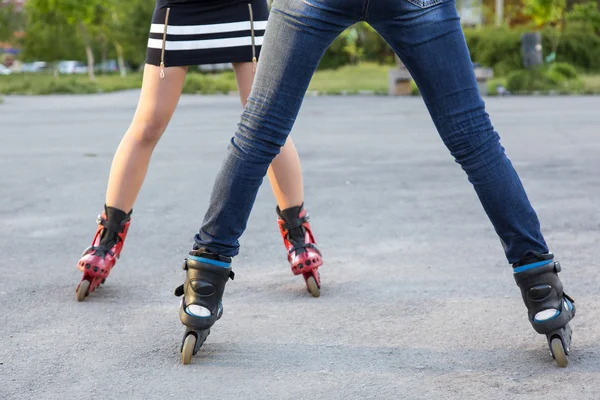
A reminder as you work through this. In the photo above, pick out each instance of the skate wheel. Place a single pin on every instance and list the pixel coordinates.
(558, 352)
(312, 287)
(82, 290)
(187, 350)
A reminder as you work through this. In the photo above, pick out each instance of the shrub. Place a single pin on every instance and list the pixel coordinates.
(560, 78)
(492, 85)
(500, 48)
(209, 83)
(563, 69)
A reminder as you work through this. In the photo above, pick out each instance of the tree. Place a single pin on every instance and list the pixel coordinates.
(126, 28)
(67, 29)
(11, 21)
(585, 16)
(85, 16)
(48, 37)
(131, 28)
(548, 13)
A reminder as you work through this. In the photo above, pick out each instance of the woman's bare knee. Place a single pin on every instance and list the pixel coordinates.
(158, 100)
(148, 132)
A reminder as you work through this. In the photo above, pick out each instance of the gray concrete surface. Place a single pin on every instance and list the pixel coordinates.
(418, 301)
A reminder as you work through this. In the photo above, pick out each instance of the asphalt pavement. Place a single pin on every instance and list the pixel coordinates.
(418, 301)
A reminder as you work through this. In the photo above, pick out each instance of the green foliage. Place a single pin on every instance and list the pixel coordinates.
(10, 22)
(577, 48)
(375, 48)
(561, 78)
(222, 83)
(545, 12)
(60, 29)
(414, 89)
(348, 79)
(492, 85)
(34, 84)
(564, 70)
(591, 84)
(360, 42)
(351, 79)
(130, 26)
(584, 17)
(500, 48)
(48, 36)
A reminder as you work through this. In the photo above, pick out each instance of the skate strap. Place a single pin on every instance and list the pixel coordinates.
(100, 250)
(566, 296)
(304, 246)
(295, 223)
(179, 289)
(111, 226)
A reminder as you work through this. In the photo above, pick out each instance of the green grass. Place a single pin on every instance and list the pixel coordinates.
(349, 79)
(591, 84)
(352, 79)
(39, 84)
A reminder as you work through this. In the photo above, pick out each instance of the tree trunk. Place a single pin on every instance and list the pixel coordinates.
(120, 59)
(88, 52)
(104, 52)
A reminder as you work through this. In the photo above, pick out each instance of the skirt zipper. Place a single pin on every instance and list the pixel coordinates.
(253, 40)
(164, 42)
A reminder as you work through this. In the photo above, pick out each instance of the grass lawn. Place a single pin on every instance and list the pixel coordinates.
(352, 79)
(591, 84)
(348, 79)
(34, 84)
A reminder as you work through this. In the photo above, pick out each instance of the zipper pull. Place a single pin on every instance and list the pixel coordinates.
(164, 45)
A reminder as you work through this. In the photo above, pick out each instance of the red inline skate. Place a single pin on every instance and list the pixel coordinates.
(303, 254)
(98, 259)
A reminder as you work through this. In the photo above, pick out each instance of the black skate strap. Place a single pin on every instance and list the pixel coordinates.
(101, 251)
(295, 223)
(566, 296)
(304, 246)
(179, 289)
(111, 226)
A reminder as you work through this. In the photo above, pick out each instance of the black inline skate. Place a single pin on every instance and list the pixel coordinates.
(549, 308)
(201, 307)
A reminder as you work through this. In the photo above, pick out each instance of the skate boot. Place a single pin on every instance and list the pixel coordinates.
(98, 259)
(549, 308)
(303, 254)
(201, 307)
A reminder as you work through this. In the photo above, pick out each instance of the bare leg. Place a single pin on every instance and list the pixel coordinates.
(285, 172)
(157, 103)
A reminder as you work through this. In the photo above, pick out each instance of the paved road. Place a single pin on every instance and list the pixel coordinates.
(418, 302)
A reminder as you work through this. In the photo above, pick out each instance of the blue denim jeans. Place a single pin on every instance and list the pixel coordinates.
(427, 36)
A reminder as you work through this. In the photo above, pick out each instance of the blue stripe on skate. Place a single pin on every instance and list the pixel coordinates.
(209, 261)
(531, 266)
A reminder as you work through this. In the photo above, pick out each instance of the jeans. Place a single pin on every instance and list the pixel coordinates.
(427, 36)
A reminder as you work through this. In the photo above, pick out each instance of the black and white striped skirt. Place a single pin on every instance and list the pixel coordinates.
(192, 34)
